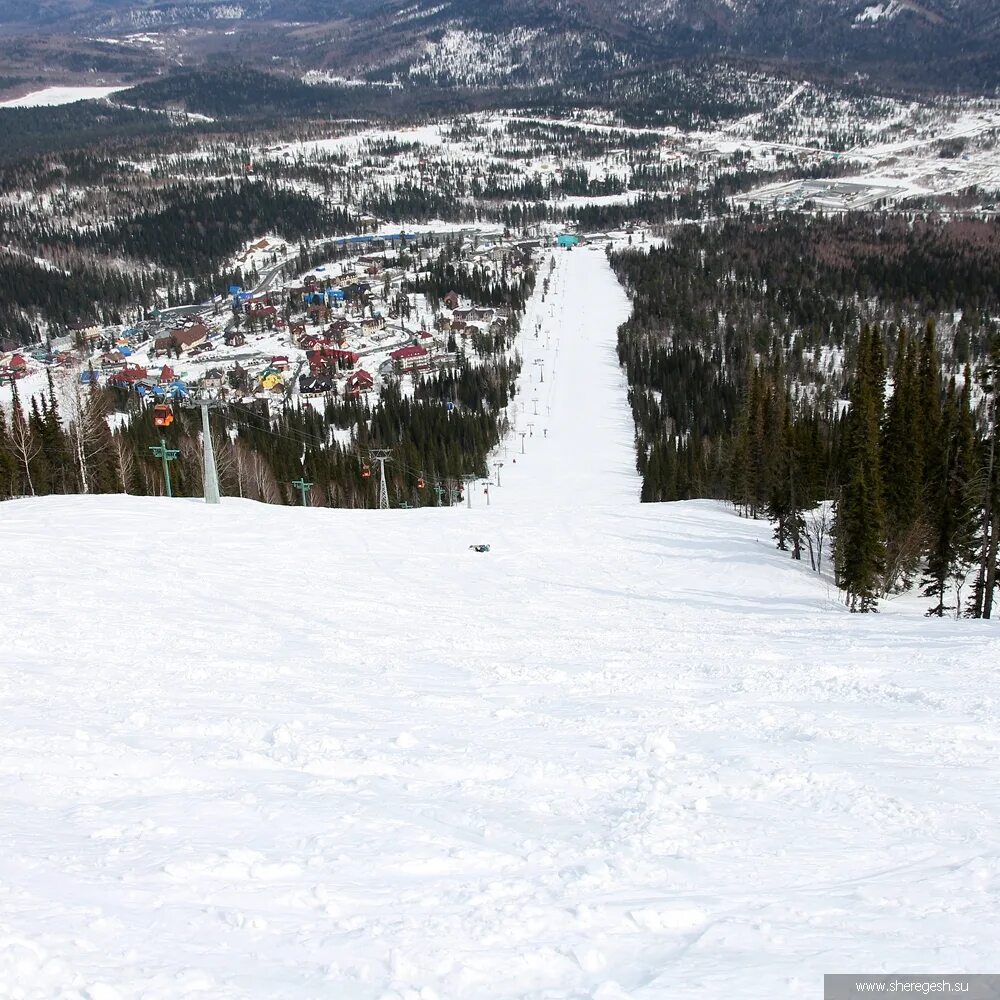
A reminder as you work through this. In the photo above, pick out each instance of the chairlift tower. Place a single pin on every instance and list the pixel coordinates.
(205, 400)
(381, 455)
(168, 455)
(303, 487)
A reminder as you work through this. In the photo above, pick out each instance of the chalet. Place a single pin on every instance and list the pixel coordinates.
(112, 359)
(328, 360)
(213, 378)
(85, 332)
(279, 361)
(451, 300)
(297, 329)
(189, 337)
(166, 375)
(482, 315)
(235, 338)
(373, 323)
(127, 378)
(463, 314)
(89, 377)
(359, 382)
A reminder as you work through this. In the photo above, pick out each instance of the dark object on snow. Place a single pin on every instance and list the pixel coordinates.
(480, 548)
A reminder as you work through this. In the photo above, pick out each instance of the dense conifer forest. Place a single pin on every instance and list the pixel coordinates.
(789, 364)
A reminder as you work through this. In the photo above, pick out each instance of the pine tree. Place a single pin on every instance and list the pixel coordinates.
(860, 512)
(981, 600)
(902, 468)
(951, 548)
(784, 505)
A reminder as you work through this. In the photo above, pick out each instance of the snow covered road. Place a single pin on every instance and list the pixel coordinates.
(632, 752)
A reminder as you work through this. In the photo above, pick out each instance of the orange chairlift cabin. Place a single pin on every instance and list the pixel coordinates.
(163, 415)
(420, 483)
(366, 471)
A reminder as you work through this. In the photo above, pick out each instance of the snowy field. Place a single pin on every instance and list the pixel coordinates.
(632, 752)
(51, 96)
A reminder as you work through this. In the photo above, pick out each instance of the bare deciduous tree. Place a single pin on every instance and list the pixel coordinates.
(817, 531)
(25, 443)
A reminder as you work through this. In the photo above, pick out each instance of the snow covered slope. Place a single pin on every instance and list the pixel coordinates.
(632, 752)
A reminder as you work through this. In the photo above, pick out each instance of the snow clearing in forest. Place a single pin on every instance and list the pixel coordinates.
(631, 751)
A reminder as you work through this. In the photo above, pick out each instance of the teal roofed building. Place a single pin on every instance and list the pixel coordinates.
(568, 240)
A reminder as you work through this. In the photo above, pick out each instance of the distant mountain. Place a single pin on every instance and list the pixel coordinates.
(519, 42)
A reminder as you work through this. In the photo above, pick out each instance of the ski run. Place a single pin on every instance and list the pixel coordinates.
(630, 752)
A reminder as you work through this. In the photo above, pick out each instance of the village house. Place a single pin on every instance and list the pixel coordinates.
(112, 359)
(410, 359)
(451, 300)
(359, 382)
(330, 360)
(182, 341)
(373, 323)
(127, 378)
(214, 378)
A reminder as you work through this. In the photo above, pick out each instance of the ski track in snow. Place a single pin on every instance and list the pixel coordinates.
(632, 752)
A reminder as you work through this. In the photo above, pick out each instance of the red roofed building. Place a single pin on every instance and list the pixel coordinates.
(410, 358)
(410, 353)
(359, 382)
(326, 360)
(127, 377)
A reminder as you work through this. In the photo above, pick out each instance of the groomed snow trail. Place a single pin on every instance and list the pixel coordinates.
(633, 752)
(572, 404)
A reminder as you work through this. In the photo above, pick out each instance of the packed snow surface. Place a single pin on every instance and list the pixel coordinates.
(631, 752)
(51, 96)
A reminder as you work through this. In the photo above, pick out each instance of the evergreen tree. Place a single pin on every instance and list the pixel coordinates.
(951, 548)
(860, 512)
(902, 468)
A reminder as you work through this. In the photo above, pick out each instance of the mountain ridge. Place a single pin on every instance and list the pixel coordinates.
(917, 39)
